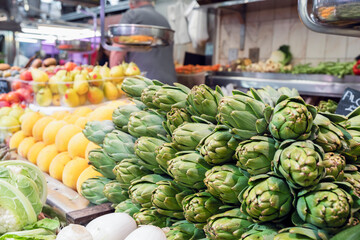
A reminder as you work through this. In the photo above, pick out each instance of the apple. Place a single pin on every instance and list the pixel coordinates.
(13, 97)
(3, 96)
(26, 76)
(25, 94)
(16, 85)
(4, 104)
(69, 66)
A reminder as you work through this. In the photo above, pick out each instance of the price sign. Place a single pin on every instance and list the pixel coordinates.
(4, 86)
(349, 102)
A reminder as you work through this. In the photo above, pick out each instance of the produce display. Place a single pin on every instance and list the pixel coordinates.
(256, 165)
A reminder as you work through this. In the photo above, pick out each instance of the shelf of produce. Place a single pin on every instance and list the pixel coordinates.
(306, 84)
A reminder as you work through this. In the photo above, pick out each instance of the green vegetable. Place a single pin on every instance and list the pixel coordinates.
(260, 232)
(226, 182)
(334, 164)
(307, 232)
(348, 234)
(164, 154)
(133, 86)
(121, 115)
(119, 145)
(146, 124)
(337, 69)
(300, 163)
(203, 102)
(92, 189)
(46, 223)
(183, 230)
(128, 207)
(171, 96)
(175, 117)
(148, 94)
(329, 106)
(102, 163)
(228, 225)
(255, 155)
(288, 56)
(95, 131)
(114, 193)
(149, 216)
(35, 234)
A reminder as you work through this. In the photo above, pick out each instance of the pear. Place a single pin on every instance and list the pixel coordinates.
(120, 91)
(64, 83)
(132, 70)
(95, 95)
(117, 71)
(82, 99)
(95, 75)
(81, 85)
(56, 100)
(44, 97)
(110, 91)
(39, 76)
(71, 98)
(53, 84)
(73, 74)
(61, 73)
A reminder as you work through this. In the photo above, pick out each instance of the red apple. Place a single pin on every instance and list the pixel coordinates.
(13, 97)
(26, 76)
(25, 94)
(3, 96)
(69, 66)
(16, 85)
(4, 104)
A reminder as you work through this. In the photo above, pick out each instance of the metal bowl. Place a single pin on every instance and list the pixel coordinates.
(73, 45)
(337, 12)
(140, 36)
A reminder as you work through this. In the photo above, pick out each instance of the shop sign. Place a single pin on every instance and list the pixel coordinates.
(349, 102)
(4, 86)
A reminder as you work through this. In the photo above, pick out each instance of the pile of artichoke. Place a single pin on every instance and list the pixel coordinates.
(256, 165)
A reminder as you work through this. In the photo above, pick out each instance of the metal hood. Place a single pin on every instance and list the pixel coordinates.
(221, 3)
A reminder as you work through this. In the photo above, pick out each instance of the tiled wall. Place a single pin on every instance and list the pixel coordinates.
(268, 27)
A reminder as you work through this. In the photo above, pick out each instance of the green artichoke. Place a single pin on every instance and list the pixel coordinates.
(329, 106)
(334, 164)
(219, 147)
(307, 232)
(167, 197)
(146, 123)
(175, 117)
(92, 190)
(128, 207)
(133, 86)
(102, 163)
(328, 206)
(171, 96)
(246, 116)
(330, 137)
(128, 170)
(140, 190)
(260, 232)
(188, 169)
(164, 154)
(183, 230)
(270, 96)
(288, 92)
(149, 216)
(95, 131)
(203, 102)
(119, 145)
(228, 225)
(145, 149)
(199, 207)
(226, 182)
(352, 176)
(268, 198)
(114, 193)
(121, 116)
(148, 95)
(256, 155)
(292, 119)
(300, 163)
(188, 135)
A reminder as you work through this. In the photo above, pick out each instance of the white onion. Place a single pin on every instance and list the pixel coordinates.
(74, 232)
(113, 226)
(147, 233)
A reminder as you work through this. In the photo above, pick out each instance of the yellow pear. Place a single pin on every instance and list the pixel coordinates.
(39, 76)
(117, 71)
(105, 71)
(64, 83)
(81, 85)
(44, 97)
(53, 84)
(56, 100)
(71, 98)
(82, 99)
(110, 91)
(95, 95)
(132, 70)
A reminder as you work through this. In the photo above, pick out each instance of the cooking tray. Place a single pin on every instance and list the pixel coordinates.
(73, 45)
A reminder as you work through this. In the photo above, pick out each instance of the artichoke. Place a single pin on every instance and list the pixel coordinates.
(246, 116)
(334, 164)
(268, 198)
(175, 117)
(292, 119)
(114, 193)
(171, 96)
(260, 232)
(119, 145)
(228, 225)
(301, 163)
(199, 207)
(133, 86)
(307, 232)
(128, 170)
(188, 169)
(121, 115)
(92, 190)
(147, 95)
(226, 182)
(145, 150)
(184, 230)
(219, 147)
(203, 102)
(149, 216)
(164, 154)
(146, 123)
(330, 137)
(140, 190)
(102, 163)
(167, 197)
(95, 131)
(288, 92)
(328, 206)
(188, 135)
(256, 155)
(352, 176)
(329, 106)
(128, 207)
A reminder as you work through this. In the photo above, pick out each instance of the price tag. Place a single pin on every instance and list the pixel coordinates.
(349, 102)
